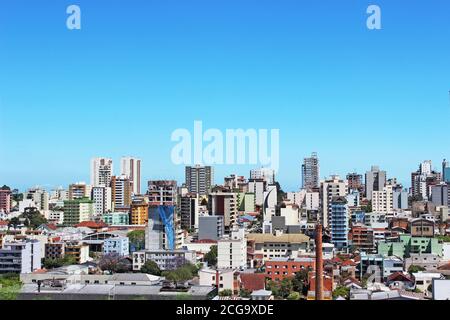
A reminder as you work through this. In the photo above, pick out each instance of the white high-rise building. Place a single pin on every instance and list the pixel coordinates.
(382, 201)
(131, 167)
(101, 172)
(102, 197)
(232, 251)
(267, 174)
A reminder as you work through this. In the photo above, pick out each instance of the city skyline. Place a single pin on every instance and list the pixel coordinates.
(357, 97)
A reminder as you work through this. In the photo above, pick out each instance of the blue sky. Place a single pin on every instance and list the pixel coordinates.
(137, 70)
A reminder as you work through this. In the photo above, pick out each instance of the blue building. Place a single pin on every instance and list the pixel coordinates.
(339, 222)
(118, 245)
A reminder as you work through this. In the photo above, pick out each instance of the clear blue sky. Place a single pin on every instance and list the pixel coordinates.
(140, 69)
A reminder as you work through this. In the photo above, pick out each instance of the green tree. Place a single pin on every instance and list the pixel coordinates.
(151, 267)
(211, 256)
(226, 293)
(300, 281)
(33, 218)
(67, 260)
(414, 269)
(244, 293)
(285, 287)
(10, 286)
(341, 291)
(294, 296)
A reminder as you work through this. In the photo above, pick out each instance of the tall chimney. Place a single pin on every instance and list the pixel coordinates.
(319, 263)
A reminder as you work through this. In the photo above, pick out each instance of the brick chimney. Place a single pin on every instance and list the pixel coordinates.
(319, 263)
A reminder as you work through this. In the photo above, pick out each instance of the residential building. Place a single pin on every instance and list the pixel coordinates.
(39, 196)
(330, 188)
(270, 246)
(162, 192)
(440, 195)
(257, 187)
(121, 193)
(422, 228)
(279, 268)
(131, 168)
(102, 198)
(232, 251)
(423, 179)
(446, 171)
(139, 212)
(425, 279)
(101, 172)
(116, 245)
(199, 179)
(116, 218)
(78, 210)
(54, 250)
(266, 174)
(210, 228)
(224, 203)
(77, 250)
(310, 172)
(165, 259)
(339, 218)
(5, 200)
(79, 190)
(222, 279)
(20, 256)
(189, 211)
(382, 201)
(355, 182)
(375, 181)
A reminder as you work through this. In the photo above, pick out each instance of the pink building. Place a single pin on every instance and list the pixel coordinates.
(5, 200)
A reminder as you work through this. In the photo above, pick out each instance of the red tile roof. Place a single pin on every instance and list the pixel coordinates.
(253, 281)
(92, 225)
(206, 241)
(399, 276)
(3, 223)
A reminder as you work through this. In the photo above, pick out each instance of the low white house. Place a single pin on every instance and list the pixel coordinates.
(224, 278)
(425, 279)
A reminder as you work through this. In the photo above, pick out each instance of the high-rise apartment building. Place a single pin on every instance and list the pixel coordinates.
(131, 167)
(102, 197)
(423, 179)
(310, 172)
(446, 171)
(5, 200)
(199, 179)
(339, 222)
(101, 172)
(39, 196)
(79, 190)
(121, 193)
(267, 174)
(77, 211)
(189, 211)
(224, 203)
(139, 212)
(355, 182)
(375, 181)
(330, 188)
(383, 201)
(162, 192)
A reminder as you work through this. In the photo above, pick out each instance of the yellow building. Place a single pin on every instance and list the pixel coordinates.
(139, 213)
